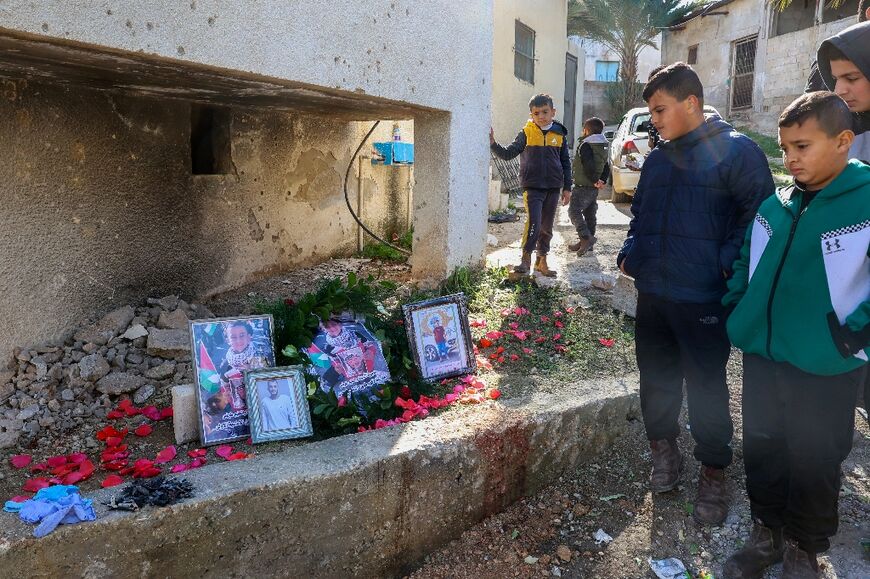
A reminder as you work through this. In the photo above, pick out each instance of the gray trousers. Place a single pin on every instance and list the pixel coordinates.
(582, 210)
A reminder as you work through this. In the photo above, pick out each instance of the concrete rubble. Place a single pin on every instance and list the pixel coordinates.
(51, 391)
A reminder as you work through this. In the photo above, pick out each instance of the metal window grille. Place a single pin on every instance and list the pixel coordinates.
(693, 55)
(743, 76)
(524, 53)
(509, 171)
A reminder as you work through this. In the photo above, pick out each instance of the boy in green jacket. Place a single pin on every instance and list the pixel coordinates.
(801, 298)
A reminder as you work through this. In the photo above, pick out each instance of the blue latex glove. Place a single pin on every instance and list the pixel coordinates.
(49, 514)
(52, 493)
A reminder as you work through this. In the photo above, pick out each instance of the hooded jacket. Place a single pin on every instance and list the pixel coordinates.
(544, 160)
(854, 42)
(694, 199)
(802, 284)
(590, 162)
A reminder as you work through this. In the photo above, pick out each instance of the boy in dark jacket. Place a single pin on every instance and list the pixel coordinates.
(697, 192)
(545, 174)
(590, 174)
(815, 81)
(802, 318)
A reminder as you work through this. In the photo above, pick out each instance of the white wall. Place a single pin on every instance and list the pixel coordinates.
(510, 104)
(436, 55)
(649, 57)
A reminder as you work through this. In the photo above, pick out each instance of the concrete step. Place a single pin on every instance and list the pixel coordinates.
(364, 505)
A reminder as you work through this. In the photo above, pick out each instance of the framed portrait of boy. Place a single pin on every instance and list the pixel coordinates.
(440, 337)
(222, 350)
(278, 404)
(347, 359)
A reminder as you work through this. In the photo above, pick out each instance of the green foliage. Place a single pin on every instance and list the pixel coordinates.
(770, 145)
(385, 252)
(622, 98)
(296, 324)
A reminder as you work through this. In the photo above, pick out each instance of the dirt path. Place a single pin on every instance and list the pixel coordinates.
(528, 539)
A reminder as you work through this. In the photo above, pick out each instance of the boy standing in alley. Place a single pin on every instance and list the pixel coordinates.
(590, 174)
(801, 298)
(545, 174)
(698, 190)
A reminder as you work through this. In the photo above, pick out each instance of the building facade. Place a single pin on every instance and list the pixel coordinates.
(189, 147)
(532, 54)
(752, 59)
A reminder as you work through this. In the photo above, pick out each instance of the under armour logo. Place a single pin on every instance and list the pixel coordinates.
(832, 245)
(709, 320)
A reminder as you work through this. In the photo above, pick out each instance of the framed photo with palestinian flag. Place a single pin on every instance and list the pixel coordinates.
(222, 350)
(440, 337)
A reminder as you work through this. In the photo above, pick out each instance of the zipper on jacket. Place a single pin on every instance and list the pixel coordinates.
(794, 223)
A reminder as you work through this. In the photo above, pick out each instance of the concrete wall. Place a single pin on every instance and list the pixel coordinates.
(98, 191)
(104, 210)
(649, 57)
(549, 20)
(782, 62)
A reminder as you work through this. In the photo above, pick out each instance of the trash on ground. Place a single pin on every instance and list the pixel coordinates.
(671, 568)
(158, 491)
(601, 537)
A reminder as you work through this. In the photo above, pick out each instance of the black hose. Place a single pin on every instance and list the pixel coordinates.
(347, 197)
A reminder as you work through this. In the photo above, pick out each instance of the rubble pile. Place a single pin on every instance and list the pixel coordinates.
(65, 391)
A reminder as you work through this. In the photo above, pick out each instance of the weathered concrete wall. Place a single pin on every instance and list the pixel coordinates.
(389, 51)
(648, 59)
(549, 20)
(365, 505)
(102, 209)
(782, 62)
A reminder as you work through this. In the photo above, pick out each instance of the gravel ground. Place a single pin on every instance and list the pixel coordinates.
(552, 533)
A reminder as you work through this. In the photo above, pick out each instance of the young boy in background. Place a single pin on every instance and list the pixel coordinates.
(801, 298)
(590, 174)
(545, 174)
(698, 190)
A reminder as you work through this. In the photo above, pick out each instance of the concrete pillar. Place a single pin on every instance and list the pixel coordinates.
(450, 193)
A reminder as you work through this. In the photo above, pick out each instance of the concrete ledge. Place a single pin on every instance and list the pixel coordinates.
(365, 505)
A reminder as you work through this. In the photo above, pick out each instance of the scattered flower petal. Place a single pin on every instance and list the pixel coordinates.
(151, 412)
(495, 394)
(34, 484)
(224, 450)
(111, 481)
(20, 460)
(77, 457)
(606, 342)
(166, 455)
(179, 468)
(166, 413)
(197, 452)
(56, 461)
(485, 343)
(19, 499)
(39, 467)
(143, 430)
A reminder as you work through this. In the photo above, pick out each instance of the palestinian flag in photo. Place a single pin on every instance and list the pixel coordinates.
(209, 379)
(317, 357)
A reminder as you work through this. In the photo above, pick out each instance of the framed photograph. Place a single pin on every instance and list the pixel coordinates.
(222, 350)
(440, 337)
(278, 403)
(348, 359)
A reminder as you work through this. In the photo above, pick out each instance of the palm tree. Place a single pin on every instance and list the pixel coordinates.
(626, 27)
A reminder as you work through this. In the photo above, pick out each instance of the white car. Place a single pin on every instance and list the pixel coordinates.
(629, 146)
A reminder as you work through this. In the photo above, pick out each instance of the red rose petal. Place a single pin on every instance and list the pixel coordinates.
(197, 452)
(20, 460)
(143, 463)
(19, 499)
(111, 481)
(77, 457)
(197, 462)
(224, 450)
(151, 412)
(149, 472)
(238, 456)
(64, 469)
(39, 467)
(606, 342)
(179, 468)
(166, 413)
(495, 394)
(72, 478)
(125, 403)
(34, 484)
(56, 461)
(132, 411)
(115, 414)
(86, 469)
(115, 465)
(143, 430)
(55, 481)
(165, 455)
(113, 441)
(484, 343)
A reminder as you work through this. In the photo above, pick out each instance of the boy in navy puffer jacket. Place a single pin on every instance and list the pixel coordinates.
(698, 191)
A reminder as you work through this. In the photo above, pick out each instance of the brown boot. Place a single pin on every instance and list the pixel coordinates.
(587, 244)
(797, 563)
(525, 264)
(576, 246)
(667, 465)
(711, 506)
(764, 548)
(541, 267)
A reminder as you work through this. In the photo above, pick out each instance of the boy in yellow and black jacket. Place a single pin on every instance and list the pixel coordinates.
(545, 174)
